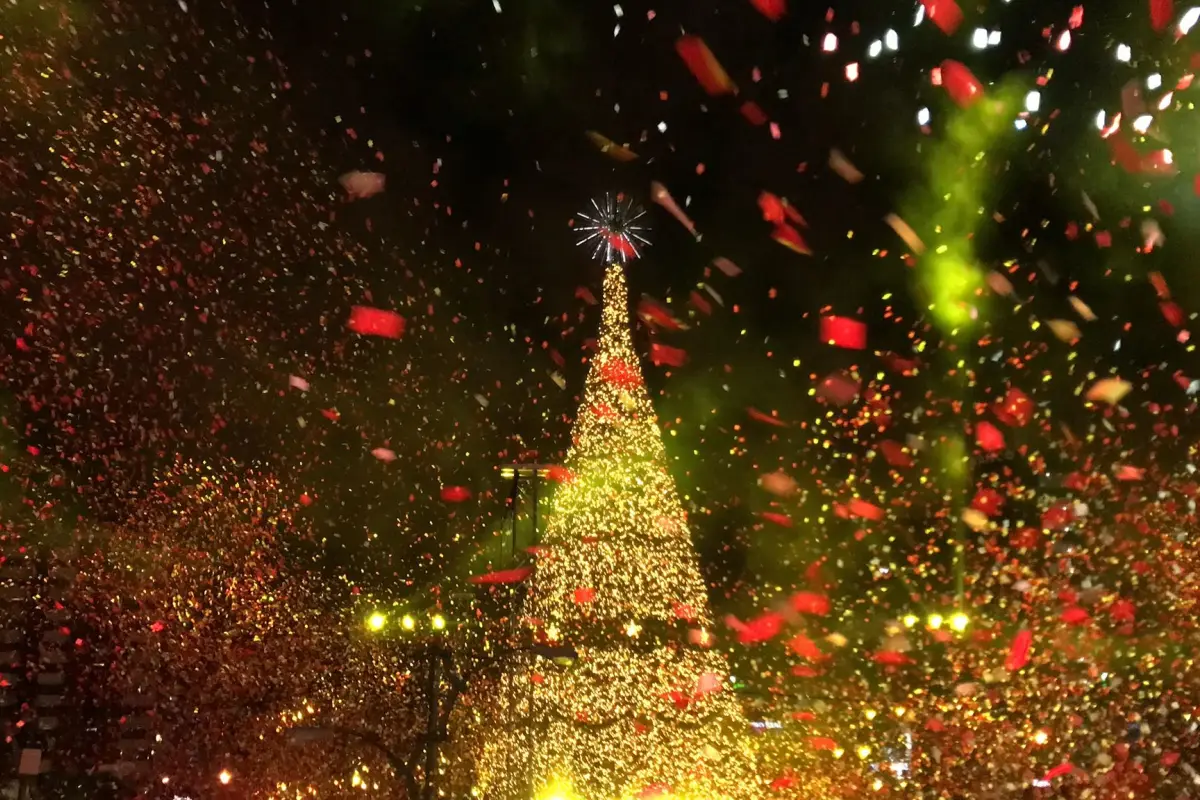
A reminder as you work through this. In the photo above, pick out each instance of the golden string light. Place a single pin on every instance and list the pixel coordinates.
(646, 711)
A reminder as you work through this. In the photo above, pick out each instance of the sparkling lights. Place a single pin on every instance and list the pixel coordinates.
(634, 713)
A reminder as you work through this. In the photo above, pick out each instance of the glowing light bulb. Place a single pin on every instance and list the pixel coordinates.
(959, 622)
(910, 620)
(1124, 53)
(225, 777)
(935, 621)
(376, 621)
(438, 622)
(408, 623)
(1040, 737)
(864, 751)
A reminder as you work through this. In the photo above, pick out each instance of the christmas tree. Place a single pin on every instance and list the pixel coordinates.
(646, 710)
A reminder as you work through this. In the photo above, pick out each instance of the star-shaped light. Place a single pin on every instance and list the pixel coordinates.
(613, 230)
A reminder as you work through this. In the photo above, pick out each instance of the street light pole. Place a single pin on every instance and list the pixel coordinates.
(432, 724)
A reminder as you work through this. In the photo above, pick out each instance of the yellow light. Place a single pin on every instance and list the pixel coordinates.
(1040, 737)
(408, 623)
(935, 621)
(225, 777)
(838, 752)
(438, 622)
(959, 622)
(618, 530)
(910, 620)
(869, 713)
(864, 751)
(356, 779)
(376, 621)
(900, 711)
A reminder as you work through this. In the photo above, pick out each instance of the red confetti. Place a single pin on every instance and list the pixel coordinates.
(771, 9)
(1018, 651)
(455, 494)
(809, 603)
(753, 113)
(844, 332)
(375, 322)
(503, 576)
(671, 356)
(704, 65)
(1161, 12)
(944, 13)
(790, 238)
(989, 438)
(961, 84)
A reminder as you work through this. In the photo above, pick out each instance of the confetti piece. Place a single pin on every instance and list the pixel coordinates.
(704, 65)
(811, 603)
(1082, 309)
(374, 322)
(1161, 12)
(1000, 284)
(779, 484)
(906, 233)
(767, 418)
(361, 185)
(839, 389)
(384, 454)
(753, 113)
(610, 148)
(790, 238)
(455, 494)
(960, 83)
(1018, 651)
(1065, 330)
(989, 438)
(726, 266)
(771, 9)
(671, 356)
(843, 332)
(298, 383)
(664, 199)
(1109, 390)
(502, 577)
(944, 13)
(842, 166)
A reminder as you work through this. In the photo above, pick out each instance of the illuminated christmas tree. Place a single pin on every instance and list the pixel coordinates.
(646, 710)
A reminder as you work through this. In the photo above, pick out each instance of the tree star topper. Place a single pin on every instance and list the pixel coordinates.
(613, 229)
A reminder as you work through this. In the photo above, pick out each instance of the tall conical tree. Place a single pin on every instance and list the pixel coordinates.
(646, 710)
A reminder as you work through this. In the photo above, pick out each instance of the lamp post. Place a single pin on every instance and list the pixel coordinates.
(441, 667)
